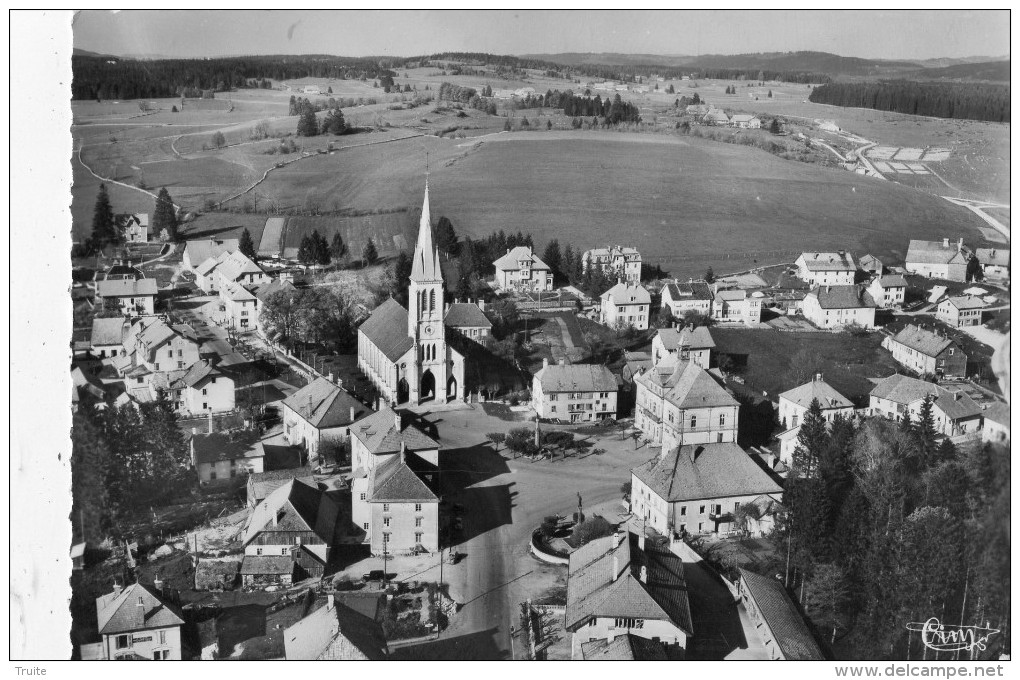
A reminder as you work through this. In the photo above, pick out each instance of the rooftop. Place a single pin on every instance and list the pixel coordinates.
(966, 302)
(386, 328)
(626, 294)
(511, 261)
(201, 250)
(623, 648)
(134, 608)
(892, 281)
(236, 265)
(936, 252)
(295, 506)
(687, 384)
(108, 331)
(380, 434)
(998, 257)
(693, 290)
(126, 288)
(465, 314)
(325, 405)
(903, 389)
(788, 628)
(335, 632)
(842, 297)
(829, 262)
(698, 338)
(235, 445)
(923, 340)
(828, 398)
(704, 471)
(394, 481)
(576, 378)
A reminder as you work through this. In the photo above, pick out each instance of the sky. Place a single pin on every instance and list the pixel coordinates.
(876, 34)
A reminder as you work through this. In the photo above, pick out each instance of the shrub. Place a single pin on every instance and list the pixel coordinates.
(588, 530)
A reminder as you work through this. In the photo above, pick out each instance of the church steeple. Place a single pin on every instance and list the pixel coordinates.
(425, 265)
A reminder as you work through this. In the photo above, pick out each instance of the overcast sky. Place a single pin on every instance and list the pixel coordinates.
(862, 33)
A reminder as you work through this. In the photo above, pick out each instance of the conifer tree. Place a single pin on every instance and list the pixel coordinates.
(338, 249)
(103, 228)
(246, 245)
(369, 253)
(164, 217)
(811, 440)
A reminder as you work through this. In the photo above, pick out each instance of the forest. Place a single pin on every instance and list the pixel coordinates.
(103, 78)
(968, 101)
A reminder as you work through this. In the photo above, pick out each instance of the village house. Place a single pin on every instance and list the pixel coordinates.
(994, 263)
(132, 297)
(626, 305)
(107, 337)
(624, 585)
(86, 389)
(395, 465)
(238, 307)
(289, 536)
(623, 648)
(264, 291)
(926, 352)
(954, 412)
(716, 117)
(404, 352)
(200, 389)
(783, 632)
(616, 261)
(827, 269)
(693, 296)
(938, 259)
(134, 228)
(469, 320)
(197, 251)
(746, 121)
(699, 489)
(840, 306)
(576, 392)
(794, 405)
(679, 402)
(995, 428)
(521, 270)
(261, 484)
(888, 291)
(960, 311)
(318, 413)
(237, 267)
(336, 632)
(152, 346)
(697, 109)
(871, 265)
(686, 343)
(136, 623)
(223, 457)
(736, 306)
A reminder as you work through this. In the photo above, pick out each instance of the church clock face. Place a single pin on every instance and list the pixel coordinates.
(428, 330)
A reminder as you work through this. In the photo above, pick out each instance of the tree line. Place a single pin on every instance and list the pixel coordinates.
(970, 101)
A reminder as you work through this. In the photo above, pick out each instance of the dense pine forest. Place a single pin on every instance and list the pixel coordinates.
(970, 101)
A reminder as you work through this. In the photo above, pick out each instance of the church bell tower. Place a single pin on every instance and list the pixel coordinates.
(425, 315)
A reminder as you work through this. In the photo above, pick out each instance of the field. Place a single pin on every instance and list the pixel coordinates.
(391, 232)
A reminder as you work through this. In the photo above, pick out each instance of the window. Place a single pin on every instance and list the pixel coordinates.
(417, 507)
(162, 637)
(258, 551)
(683, 510)
(719, 437)
(722, 419)
(205, 406)
(284, 551)
(793, 422)
(386, 538)
(418, 536)
(417, 521)
(386, 521)
(362, 496)
(385, 507)
(629, 623)
(365, 526)
(694, 422)
(123, 641)
(736, 506)
(212, 474)
(701, 510)
(170, 353)
(157, 368)
(204, 390)
(552, 409)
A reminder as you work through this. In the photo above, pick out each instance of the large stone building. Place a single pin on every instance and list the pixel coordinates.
(575, 392)
(404, 353)
(827, 269)
(617, 261)
(626, 305)
(520, 269)
(926, 352)
(938, 260)
(840, 306)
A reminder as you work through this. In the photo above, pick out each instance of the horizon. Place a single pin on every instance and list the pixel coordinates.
(865, 34)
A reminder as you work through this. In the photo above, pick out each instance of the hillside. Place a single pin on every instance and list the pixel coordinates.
(991, 71)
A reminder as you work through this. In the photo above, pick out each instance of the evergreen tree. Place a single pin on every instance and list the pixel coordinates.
(709, 275)
(246, 245)
(401, 277)
(446, 237)
(811, 440)
(322, 251)
(91, 508)
(338, 249)
(774, 127)
(369, 253)
(164, 217)
(925, 432)
(306, 251)
(307, 125)
(552, 257)
(103, 228)
(974, 271)
(333, 123)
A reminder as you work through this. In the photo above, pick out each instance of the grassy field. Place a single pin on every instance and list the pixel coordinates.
(83, 200)
(391, 232)
(224, 225)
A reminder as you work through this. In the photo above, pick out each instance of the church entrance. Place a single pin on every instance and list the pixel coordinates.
(428, 386)
(451, 389)
(403, 391)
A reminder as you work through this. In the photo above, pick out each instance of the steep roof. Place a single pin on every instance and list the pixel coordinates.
(216, 446)
(998, 257)
(264, 483)
(576, 378)
(325, 405)
(998, 413)
(623, 648)
(966, 302)
(425, 262)
(277, 285)
(934, 252)
(379, 433)
(108, 331)
(463, 314)
(626, 294)
(296, 506)
(509, 262)
(923, 340)
(238, 264)
(704, 471)
(394, 481)
(210, 263)
(892, 281)
(688, 385)
(788, 628)
(956, 404)
(201, 250)
(386, 328)
(135, 608)
(198, 373)
(126, 288)
(869, 262)
(235, 292)
(828, 398)
(903, 389)
(699, 338)
(335, 632)
(829, 262)
(843, 297)
(694, 290)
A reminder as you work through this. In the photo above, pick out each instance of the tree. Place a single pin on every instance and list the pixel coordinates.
(974, 271)
(446, 237)
(588, 530)
(164, 217)
(825, 596)
(770, 94)
(369, 254)
(925, 433)
(333, 123)
(548, 124)
(811, 440)
(90, 509)
(709, 275)
(552, 257)
(218, 140)
(338, 249)
(774, 127)
(506, 126)
(246, 245)
(103, 228)
(625, 489)
(497, 438)
(665, 318)
(307, 125)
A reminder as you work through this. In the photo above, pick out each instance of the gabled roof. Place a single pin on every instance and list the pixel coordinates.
(237, 445)
(509, 262)
(335, 632)
(236, 265)
(828, 398)
(934, 252)
(694, 290)
(394, 481)
(277, 285)
(211, 263)
(201, 250)
(704, 471)
(956, 405)
(998, 257)
(870, 263)
(775, 607)
(277, 565)
(121, 271)
(828, 262)
(923, 340)
(425, 261)
(465, 314)
(264, 483)
(623, 648)
(126, 288)
(997, 413)
(198, 373)
(378, 432)
(386, 328)
(891, 281)
(730, 295)
(135, 608)
(699, 338)
(296, 506)
(688, 385)
(576, 378)
(108, 331)
(626, 294)
(325, 405)
(742, 118)
(842, 297)
(613, 252)
(966, 302)
(235, 292)
(903, 389)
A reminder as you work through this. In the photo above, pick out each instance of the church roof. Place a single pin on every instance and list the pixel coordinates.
(386, 328)
(425, 264)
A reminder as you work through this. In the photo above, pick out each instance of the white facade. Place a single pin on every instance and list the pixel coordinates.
(887, 295)
(617, 261)
(826, 269)
(626, 305)
(836, 317)
(588, 398)
(158, 644)
(521, 270)
(606, 628)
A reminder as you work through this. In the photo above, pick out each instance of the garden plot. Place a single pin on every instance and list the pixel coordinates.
(936, 155)
(882, 153)
(908, 154)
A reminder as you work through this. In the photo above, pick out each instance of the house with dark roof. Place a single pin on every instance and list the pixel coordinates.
(132, 297)
(395, 468)
(679, 402)
(224, 457)
(889, 290)
(625, 647)
(624, 585)
(133, 228)
(994, 263)
(954, 412)
(521, 269)
(698, 488)
(469, 320)
(289, 536)
(960, 311)
(196, 391)
(319, 412)
(794, 405)
(693, 296)
(686, 343)
(138, 623)
(938, 259)
(783, 632)
(574, 392)
(107, 338)
(634, 363)
(827, 269)
(840, 306)
(335, 632)
(927, 352)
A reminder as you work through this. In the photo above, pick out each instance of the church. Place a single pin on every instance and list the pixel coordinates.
(405, 353)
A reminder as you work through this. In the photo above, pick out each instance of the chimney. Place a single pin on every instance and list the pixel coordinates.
(563, 362)
(617, 538)
(818, 377)
(211, 426)
(828, 289)
(339, 382)
(644, 574)
(641, 541)
(378, 404)
(956, 396)
(403, 453)
(446, 309)
(481, 304)
(140, 603)
(276, 517)
(616, 567)
(945, 243)
(157, 583)
(397, 420)
(959, 245)
(545, 362)
(352, 414)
